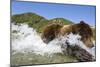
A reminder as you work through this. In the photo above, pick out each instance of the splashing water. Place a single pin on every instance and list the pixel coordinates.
(75, 39)
(26, 39)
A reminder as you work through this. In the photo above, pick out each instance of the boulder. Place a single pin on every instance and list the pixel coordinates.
(79, 53)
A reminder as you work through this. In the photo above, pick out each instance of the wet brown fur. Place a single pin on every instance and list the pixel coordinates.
(52, 31)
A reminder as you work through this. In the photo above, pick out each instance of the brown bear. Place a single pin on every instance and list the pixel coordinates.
(55, 30)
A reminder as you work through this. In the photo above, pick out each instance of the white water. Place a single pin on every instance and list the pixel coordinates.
(28, 40)
(75, 39)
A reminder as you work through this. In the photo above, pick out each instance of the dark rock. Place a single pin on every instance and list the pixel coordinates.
(79, 53)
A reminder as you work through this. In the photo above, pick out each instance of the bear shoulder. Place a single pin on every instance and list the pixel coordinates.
(66, 29)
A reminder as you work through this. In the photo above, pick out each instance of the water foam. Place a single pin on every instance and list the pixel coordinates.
(26, 39)
(75, 39)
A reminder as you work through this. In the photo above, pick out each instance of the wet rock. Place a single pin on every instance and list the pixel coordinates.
(79, 53)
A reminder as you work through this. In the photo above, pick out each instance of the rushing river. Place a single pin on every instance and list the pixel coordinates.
(27, 47)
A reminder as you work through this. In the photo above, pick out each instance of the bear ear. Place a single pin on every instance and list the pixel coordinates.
(82, 22)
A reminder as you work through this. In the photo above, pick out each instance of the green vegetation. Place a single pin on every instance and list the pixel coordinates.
(36, 21)
(61, 21)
